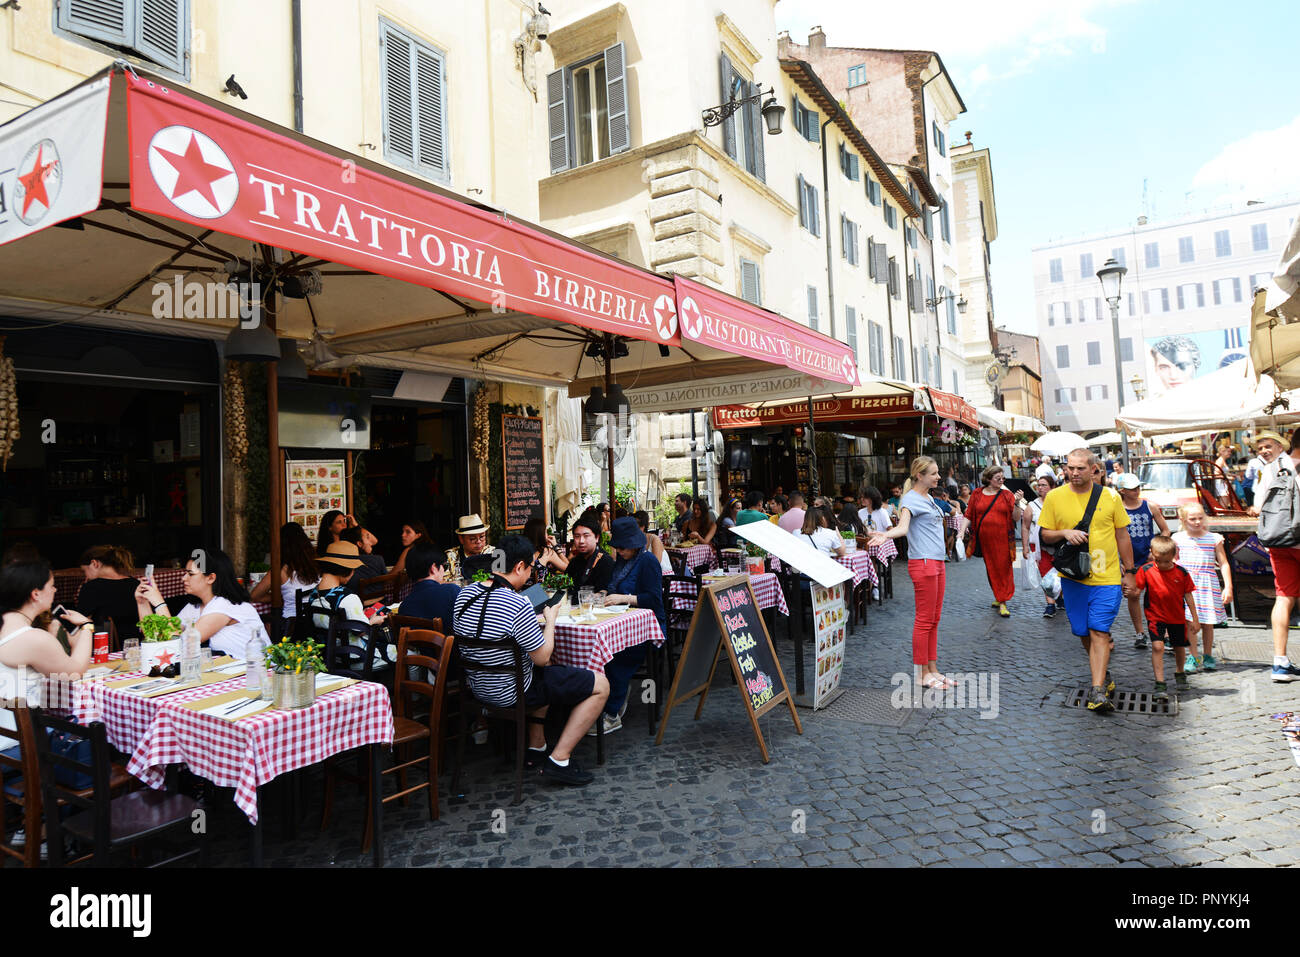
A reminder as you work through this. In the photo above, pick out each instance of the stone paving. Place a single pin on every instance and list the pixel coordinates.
(1039, 784)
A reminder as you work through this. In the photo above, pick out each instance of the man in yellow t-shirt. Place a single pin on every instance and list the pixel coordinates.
(1093, 603)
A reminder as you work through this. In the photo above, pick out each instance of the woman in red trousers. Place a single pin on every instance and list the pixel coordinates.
(992, 514)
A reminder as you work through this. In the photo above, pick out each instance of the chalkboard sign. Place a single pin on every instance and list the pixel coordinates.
(525, 470)
(728, 615)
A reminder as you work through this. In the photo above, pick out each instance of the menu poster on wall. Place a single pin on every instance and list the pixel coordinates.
(830, 622)
(525, 471)
(313, 488)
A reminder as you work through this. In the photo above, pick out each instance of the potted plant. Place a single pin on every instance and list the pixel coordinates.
(294, 666)
(256, 572)
(558, 581)
(850, 539)
(482, 575)
(160, 644)
(756, 558)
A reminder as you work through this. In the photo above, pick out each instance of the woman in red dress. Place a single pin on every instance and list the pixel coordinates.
(993, 513)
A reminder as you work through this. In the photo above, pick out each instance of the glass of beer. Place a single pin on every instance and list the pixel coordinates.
(586, 597)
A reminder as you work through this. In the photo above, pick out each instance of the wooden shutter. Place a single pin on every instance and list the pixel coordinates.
(399, 108)
(812, 307)
(816, 212)
(729, 124)
(757, 165)
(871, 258)
(557, 120)
(844, 236)
(430, 122)
(164, 32)
(108, 20)
(803, 200)
(881, 273)
(616, 97)
(749, 284)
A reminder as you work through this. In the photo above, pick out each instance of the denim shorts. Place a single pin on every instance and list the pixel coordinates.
(1090, 607)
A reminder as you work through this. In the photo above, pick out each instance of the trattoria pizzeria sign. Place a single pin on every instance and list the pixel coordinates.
(194, 163)
(824, 410)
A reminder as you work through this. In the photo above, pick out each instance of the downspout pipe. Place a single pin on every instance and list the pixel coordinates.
(826, 197)
(297, 65)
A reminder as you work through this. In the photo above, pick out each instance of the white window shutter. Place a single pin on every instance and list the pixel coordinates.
(430, 123)
(557, 120)
(399, 118)
(757, 165)
(107, 20)
(729, 124)
(164, 32)
(616, 97)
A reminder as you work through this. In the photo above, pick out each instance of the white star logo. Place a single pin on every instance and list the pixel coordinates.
(193, 172)
(692, 319)
(665, 316)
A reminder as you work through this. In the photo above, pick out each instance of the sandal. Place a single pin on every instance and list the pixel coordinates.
(933, 680)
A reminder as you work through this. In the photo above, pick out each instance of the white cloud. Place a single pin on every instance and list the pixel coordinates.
(995, 40)
(1258, 166)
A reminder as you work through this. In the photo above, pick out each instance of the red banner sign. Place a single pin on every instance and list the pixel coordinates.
(824, 410)
(194, 163)
(734, 325)
(949, 406)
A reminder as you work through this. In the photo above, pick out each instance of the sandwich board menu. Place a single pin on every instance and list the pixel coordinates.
(525, 471)
(830, 621)
(727, 616)
(312, 488)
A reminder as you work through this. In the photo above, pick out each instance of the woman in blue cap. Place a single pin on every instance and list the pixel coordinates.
(637, 580)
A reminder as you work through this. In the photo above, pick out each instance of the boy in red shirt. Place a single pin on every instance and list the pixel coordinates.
(1169, 587)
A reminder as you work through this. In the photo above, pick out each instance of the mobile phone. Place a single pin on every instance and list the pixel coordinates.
(148, 572)
(58, 611)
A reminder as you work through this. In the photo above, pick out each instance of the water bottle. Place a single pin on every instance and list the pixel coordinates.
(253, 662)
(191, 662)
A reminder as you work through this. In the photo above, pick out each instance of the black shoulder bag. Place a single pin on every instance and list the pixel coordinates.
(1075, 561)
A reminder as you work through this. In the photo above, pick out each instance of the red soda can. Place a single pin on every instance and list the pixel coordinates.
(100, 647)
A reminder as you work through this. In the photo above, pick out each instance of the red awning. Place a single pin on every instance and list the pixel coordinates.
(949, 406)
(847, 409)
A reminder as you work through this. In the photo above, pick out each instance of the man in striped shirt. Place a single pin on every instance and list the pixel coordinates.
(496, 611)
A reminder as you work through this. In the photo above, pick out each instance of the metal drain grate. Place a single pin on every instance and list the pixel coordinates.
(1127, 702)
(868, 706)
(1245, 649)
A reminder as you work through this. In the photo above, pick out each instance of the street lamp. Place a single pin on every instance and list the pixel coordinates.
(772, 111)
(1111, 276)
(934, 303)
(1139, 387)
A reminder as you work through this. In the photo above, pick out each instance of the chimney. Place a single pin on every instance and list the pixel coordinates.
(816, 41)
(783, 44)
(968, 137)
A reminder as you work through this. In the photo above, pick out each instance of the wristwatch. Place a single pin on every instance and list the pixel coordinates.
(1131, 571)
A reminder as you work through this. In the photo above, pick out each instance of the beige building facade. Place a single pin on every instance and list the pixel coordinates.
(975, 219)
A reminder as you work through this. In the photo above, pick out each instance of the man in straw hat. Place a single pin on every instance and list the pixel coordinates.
(472, 534)
(1285, 561)
(1268, 446)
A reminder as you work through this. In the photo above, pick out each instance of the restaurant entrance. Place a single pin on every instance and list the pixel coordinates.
(117, 445)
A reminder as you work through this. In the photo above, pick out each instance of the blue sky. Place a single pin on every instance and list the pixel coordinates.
(1080, 101)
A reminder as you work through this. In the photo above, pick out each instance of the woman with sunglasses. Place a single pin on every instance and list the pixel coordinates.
(220, 607)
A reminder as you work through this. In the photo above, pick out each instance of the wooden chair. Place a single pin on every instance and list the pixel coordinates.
(98, 819)
(678, 588)
(381, 587)
(885, 572)
(678, 561)
(416, 648)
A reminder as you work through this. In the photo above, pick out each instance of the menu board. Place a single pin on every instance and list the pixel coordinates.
(313, 488)
(525, 472)
(727, 616)
(830, 623)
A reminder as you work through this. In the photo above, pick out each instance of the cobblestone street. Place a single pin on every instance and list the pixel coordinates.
(1038, 784)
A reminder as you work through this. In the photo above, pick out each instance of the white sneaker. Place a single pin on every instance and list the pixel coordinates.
(612, 723)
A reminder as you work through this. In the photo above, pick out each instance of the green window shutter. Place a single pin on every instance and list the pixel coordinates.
(557, 120)
(729, 124)
(164, 32)
(111, 21)
(754, 119)
(616, 97)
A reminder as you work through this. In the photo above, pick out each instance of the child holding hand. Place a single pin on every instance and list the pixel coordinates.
(1169, 587)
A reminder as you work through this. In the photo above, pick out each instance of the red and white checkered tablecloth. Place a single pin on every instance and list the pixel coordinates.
(767, 591)
(698, 555)
(860, 563)
(953, 521)
(242, 754)
(591, 646)
(885, 552)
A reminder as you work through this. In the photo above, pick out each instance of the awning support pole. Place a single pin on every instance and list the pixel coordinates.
(814, 486)
(275, 494)
(613, 419)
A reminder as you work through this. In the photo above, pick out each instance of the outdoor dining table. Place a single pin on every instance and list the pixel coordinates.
(243, 754)
(767, 592)
(591, 644)
(697, 555)
(859, 562)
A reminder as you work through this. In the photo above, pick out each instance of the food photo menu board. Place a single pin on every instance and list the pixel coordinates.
(830, 621)
(312, 488)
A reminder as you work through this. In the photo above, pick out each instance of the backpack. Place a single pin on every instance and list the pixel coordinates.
(1279, 516)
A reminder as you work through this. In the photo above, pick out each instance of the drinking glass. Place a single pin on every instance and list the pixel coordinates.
(131, 652)
(205, 657)
(586, 596)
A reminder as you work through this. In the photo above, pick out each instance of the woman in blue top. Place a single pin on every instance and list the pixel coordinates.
(637, 580)
(921, 520)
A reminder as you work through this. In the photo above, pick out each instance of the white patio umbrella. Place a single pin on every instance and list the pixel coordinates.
(565, 413)
(1059, 443)
(1106, 438)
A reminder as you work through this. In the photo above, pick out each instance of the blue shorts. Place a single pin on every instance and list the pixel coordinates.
(1090, 607)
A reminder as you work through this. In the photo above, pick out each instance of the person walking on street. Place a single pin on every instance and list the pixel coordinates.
(1285, 561)
(993, 515)
(1029, 536)
(1143, 521)
(1201, 552)
(1092, 604)
(921, 522)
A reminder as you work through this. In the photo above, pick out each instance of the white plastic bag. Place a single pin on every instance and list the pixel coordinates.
(1032, 578)
(1051, 584)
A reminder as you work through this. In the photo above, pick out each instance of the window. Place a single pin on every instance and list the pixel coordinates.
(873, 191)
(1200, 295)
(1094, 353)
(891, 216)
(1065, 306)
(1066, 395)
(1126, 350)
(900, 365)
(809, 211)
(1152, 252)
(940, 143)
(850, 165)
(857, 75)
(1222, 244)
(1164, 300)
(927, 222)
(154, 30)
(414, 104)
(1146, 302)
(1062, 357)
(930, 295)
(876, 348)
(945, 227)
(1181, 302)
(878, 261)
(952, 317)
(1055, 272)
(1083, 310)
(895, 287)
(1259, 237)
(587, 114)
(1085, 266)
(1186, 251)
(1236, 289)
(751, 288)
(909, 235)
(1132, 305)
(955, 387)
(1051, 313)
(812, 307)
(1223, 288)
(849, 239)
(851, 328)
(742, 132)
(1117, 254)
(1096, 306)
(807, 122)
(1095, 393)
